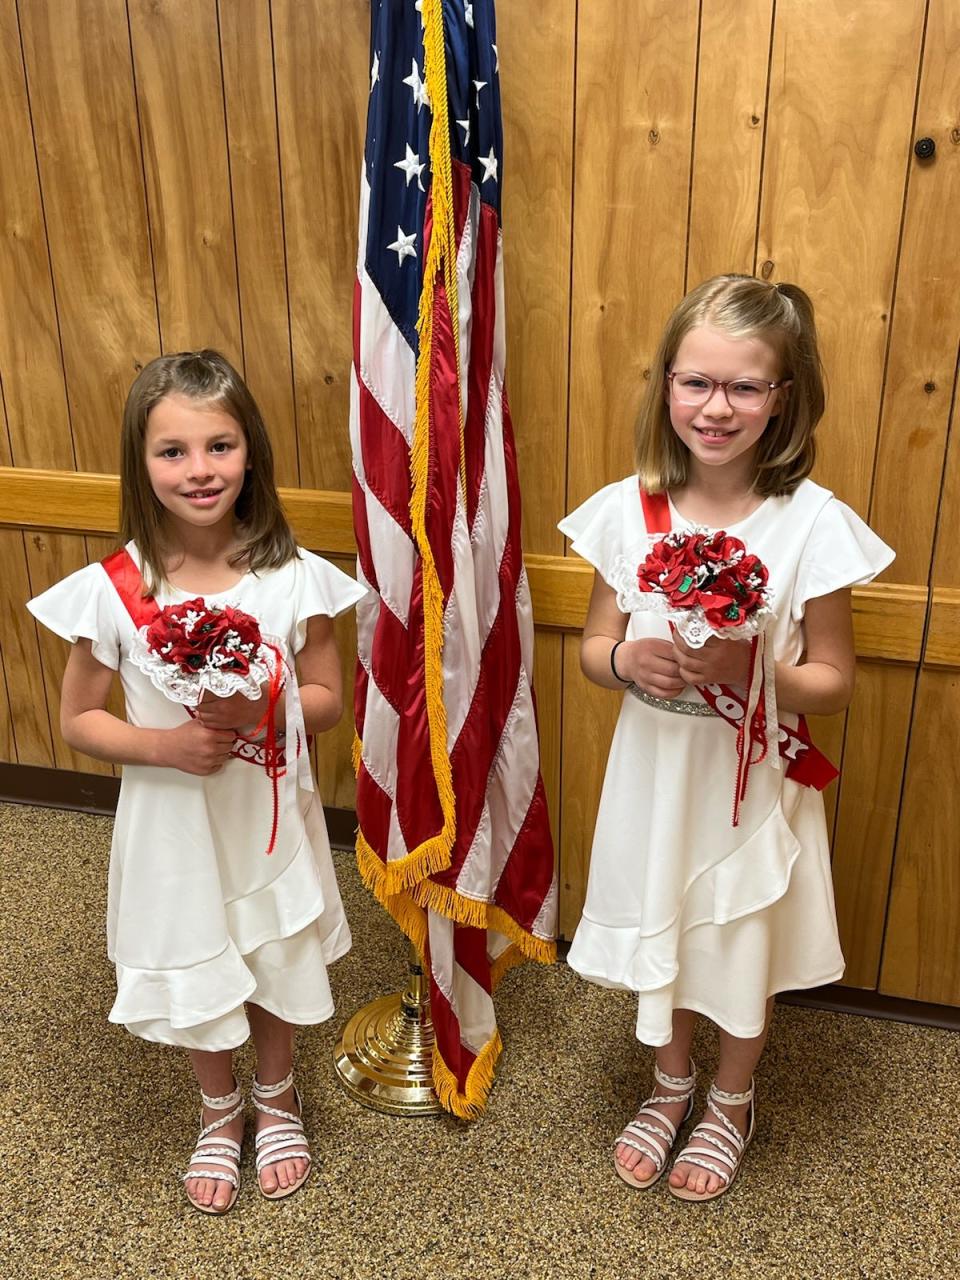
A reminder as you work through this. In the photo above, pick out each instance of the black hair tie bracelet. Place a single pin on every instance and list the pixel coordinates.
(613, 663)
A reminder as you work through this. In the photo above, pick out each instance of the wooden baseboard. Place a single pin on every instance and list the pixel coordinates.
(98, 792)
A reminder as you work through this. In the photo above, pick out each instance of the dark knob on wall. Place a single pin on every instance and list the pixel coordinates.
(924, 148)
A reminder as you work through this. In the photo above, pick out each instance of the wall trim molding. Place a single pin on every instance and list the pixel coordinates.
(889, 617)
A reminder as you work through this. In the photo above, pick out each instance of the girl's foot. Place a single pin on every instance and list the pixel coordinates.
(283, 1155)
(213, 1178)
(710, 1161)
(643, 1147)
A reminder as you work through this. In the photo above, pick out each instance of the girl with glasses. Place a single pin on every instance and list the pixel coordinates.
(697, 915)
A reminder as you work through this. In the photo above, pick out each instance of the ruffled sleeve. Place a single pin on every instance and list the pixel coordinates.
(841, 551)
(596, 529)
(321, 589)
(80, 606)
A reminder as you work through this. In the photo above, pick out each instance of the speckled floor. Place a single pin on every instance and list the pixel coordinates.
(854, 1173)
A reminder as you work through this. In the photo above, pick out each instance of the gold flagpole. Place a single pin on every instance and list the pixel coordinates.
(384, 1058)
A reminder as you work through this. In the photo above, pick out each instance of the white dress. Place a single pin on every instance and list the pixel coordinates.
(199, 918)
(683, 907)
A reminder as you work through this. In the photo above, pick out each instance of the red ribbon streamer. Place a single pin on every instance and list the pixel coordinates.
(126, 577)
(805, 763)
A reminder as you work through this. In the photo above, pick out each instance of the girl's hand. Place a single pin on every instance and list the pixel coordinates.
(651, 664)
(193, 748)
(235, 712)
(718, 662)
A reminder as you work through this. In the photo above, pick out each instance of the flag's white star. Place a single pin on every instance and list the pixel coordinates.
(419, 8)
(465, 126)
(416, 84)
(489, 166)
(411, 166)
(496, 54)
(468, 14)
(403, 245)
(375, 71)
(478, 85)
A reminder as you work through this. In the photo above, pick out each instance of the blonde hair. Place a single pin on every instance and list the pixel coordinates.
(208, 377)
(740, 306)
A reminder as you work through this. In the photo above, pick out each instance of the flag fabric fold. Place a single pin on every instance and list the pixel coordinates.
(453, 831)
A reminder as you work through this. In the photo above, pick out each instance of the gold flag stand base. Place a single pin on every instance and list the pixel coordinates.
(384, 1057)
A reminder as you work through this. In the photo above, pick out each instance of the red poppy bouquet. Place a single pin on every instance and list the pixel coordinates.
(706, 583)
(195, 647)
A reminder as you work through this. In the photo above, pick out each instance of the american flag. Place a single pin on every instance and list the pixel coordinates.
(453, 830)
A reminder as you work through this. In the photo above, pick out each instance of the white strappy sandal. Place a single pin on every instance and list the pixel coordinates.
(219, 1151)
(651, 1133)
(276, 1142)
(718, 1150)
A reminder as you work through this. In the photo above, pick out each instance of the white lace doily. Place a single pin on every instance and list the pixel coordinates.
(692, 623)
(189, 689)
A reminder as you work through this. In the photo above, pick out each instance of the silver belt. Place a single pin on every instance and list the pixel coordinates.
(679, 706)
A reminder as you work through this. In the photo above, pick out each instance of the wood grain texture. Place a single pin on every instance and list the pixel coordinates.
(589, 717)
(21, 656)
(249, 90)
(320, 53)
(842, 88)
(866, 824)
(34, 395)
(335, 777)
(921, 959)
(920, 953)
(548, 687)
(728, 138)
(85, 122)
(926, 317)
(8, 746)
(50, 557)
(536, 46)
(183, 135)
(635, 83)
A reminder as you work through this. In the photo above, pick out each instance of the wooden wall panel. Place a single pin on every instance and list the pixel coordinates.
(8, 746)
(589, 717)
(34, 396)
(548, 685)
(250, 97)
(321, 103)
(921, 959)
(50, 557)
(842, 89)
(21, 656)
(85, 122)
(866, 825)
(335, 774)
(926, 317)
(536, 45)
(183, 134)
(728, 138)
(634, 114)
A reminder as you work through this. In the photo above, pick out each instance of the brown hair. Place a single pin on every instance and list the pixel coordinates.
(740, 307)
(209, 377)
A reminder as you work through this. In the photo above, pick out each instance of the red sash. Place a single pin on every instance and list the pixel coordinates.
(804, 762)
(123, 572)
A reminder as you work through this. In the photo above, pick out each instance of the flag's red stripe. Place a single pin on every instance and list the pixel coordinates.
(386, 460)
(458, 1058)
(373, 812)
(418, 805)
(444, 464)
(470, 953)
(526, 879)
(484, 304)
